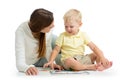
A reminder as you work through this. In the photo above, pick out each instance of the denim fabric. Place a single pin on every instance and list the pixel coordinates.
(41, 62)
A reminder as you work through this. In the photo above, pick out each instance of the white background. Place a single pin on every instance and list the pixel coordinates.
(101, 20)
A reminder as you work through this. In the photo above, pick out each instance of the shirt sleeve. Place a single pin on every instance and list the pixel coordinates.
(20, 51)
(86, 38)
(59, 40)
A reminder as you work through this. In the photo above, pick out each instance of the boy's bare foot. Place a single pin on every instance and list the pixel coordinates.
(100, 67)
(92, 67)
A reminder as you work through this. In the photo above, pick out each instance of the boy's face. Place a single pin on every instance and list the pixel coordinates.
(72, 27)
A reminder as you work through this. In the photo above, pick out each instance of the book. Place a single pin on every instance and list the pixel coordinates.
(67, 72)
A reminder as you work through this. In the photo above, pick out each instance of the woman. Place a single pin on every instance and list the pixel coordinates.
(33, 42)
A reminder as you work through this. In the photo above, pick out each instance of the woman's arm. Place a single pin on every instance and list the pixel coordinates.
(20, 51)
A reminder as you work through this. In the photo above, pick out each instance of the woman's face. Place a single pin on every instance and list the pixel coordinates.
(47, 29)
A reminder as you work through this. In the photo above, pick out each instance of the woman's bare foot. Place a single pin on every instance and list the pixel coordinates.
(100, 67)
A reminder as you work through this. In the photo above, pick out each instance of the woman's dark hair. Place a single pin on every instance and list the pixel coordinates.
(40, 19)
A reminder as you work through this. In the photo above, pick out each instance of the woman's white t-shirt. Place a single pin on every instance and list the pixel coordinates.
(26, 47)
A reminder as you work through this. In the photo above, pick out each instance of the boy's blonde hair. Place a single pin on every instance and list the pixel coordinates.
(72, 14)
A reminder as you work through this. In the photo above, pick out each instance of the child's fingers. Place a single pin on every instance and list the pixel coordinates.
(46, 65)
(60, 67)
(52, 66)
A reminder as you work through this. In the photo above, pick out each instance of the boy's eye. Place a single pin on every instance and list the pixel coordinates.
(69, 26)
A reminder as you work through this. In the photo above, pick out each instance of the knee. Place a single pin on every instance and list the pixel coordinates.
(93, 57)
(68, 61)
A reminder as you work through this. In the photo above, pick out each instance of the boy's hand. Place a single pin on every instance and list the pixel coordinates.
(105, 62)
(49, 64)
(58, 67)
(53, 66)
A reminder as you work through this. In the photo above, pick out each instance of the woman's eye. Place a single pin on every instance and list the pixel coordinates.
(66, 26)
(71, 26)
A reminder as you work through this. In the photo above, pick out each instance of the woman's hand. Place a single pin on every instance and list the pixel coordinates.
(32, 71)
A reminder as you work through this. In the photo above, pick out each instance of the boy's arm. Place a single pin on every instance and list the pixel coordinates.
(96, 50)
(54, 53)
(99, 53)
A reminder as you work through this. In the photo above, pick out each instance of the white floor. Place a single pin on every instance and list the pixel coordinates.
(8, 71)
(109, 74)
